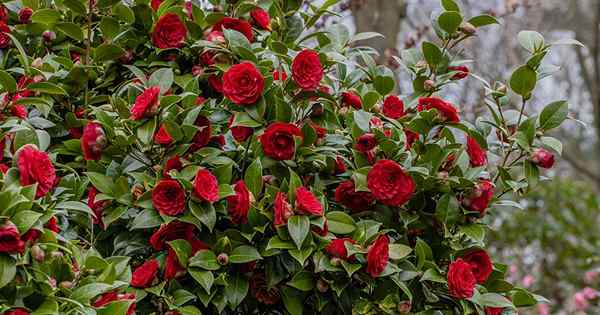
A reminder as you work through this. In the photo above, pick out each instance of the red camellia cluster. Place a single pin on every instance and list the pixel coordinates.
(464, 273)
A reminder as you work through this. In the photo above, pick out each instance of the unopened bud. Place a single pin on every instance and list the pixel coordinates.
(467, 28)
(137, 191)
(37, 63)
(127, 57)
(223, 259)
(421, 64)
(37, 253)
(429, 85)
(404, 307)
(49, 36)
(322, 286)
(66, 285)
(317, 110)
(56, 254)
(335, 261)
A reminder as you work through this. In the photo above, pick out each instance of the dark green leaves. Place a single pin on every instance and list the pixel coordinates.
(8, 269)
(450, 5)
(7, 82)
(106, 52)
(236, 290)
(253, 177)
(449, 21)
(553, 115)
(340, 222)
(71, 29)
(523, 81)
(244, 254)
(46, 16)
(483, 20)
(205, 259)
(431, 52)
(298, 226)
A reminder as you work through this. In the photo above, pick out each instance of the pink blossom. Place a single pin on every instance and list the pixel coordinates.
(543, 309)
(581, 303)
(528, 280)
(591, 276)
(589, 293)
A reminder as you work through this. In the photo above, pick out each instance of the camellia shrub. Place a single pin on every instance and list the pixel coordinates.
(162, 158)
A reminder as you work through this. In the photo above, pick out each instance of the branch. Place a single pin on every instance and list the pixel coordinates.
(583, 169)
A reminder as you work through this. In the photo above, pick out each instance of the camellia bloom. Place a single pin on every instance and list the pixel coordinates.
(307, 203)
(477, 155)
(206, 186)
(352, 199)
(462, 73)
(171, 231)
(155, 4)
(162, 136)
(169, 32)
(35, 167)
(480, 197)
(239, 133)
(261, 19)
(411, 137)
(262, 292)
(307, 70)
(446, 110)
(493, 310)
(52, 225)
(216, 83)
(350, 98)
(146, 104)
(113, 296)
(389, 183)
(340, 166)
(366, 142)
(243, 84)
(16, 311)
(4, 39)
(235, 24)
(542, 158)
(93, 141)
(393, 107)
(461, 281)
(378, 256)
(19, 111)
(278, 140)
(144, 275)
(25, 14)
(10, 239)
(96, 206)
(239, 204)
(481, 264)
(202, 136)
(3, 13)
(337, 248)
(174, 163)
(282, 209)
(168, 197)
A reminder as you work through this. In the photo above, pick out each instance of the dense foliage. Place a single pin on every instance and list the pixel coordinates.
(162, 158)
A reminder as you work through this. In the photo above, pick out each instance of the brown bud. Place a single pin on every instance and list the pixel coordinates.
(317, 110)
(467, 28)
(37, 63)
(66, 285)
(49, 36)
(223, 259)
(137, 191)
(56, 254)
(429, 85)
(322, 286)
(421, 64)
(404, 307)
(335, 261)
(37, 253)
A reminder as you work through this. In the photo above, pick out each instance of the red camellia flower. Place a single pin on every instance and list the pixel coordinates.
(477, 155)
(168, 197)
(216, 83)
(389, 183)
(4, 39)
(480, 197)
(10, 239)
(282, 209)
(278, 140)
(337, 248)
(146, 104)
(261, 19)
(25, 15)
(239, 133)
(144, 275)
(366, 142)
(378, 256)
(93, 141)
(542, 158)
(411, 137)
(239, 204)
(446, 110)
(3, 13)
(173, 267)
(169, 32)
(243, 84)
(393, 107)
(52, 225)
(461, 281)
(352, 199)
(462, 73)
(155, 4)
(206, 186)
(493, 310)
(307, 70)
(96, 206)
(340, 166)
(481, 264)
(17, 311)
(162, 136)
(18, 111)
(235, 24)
(174, 163)
(171, 231)
(351, 99)
(202, 137)
(35, 167)
(307, 203)
(113, 296)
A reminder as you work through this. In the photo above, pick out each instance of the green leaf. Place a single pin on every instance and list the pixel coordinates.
(432, 53)
(148, 218)
(205, 259)
(45, 16)
(243, 254)
(492, 300)
(25, 219)
(8, 82)
(365, 36)
(553, 144)
(449, 21)
(568, 41)
(76, 6)
(86, 292)
(115, 308)
(253, 177)
(8, 269)
(145, 132)
(531, 40)
(204, 278)
(450, 5)
(236, 40)
(47, 87)
(205, 213)
(162, 77)
(102, 182)
(110, 27)
(399, 251)
(74, 205)
(123, 13)
(475, 232)
(340, 222)
(483, 20)
(433, 275)
(384, 84)
(302, 281)
(292, 300)
(71, 29)
(362, 120)
(106, 3)
(298, 226)
(523, 80)
(107, 52)
(182, 249)
(553, 115)
(236, 290)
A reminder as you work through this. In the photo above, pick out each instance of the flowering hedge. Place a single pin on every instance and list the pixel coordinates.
(167, 159)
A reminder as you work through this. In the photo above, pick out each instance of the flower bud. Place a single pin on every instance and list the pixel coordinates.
(223, 259)
(197, 70)
(335, 261)
(65, 285)
(429, 85)
(127, 57)
(322, 286)
(56, 254)
(268, 179)
(404, 307)
(137, 191)
(37, 253)
(25, 15)
(317, 110)
(49, 36)
(467, 28)
(542, 158)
